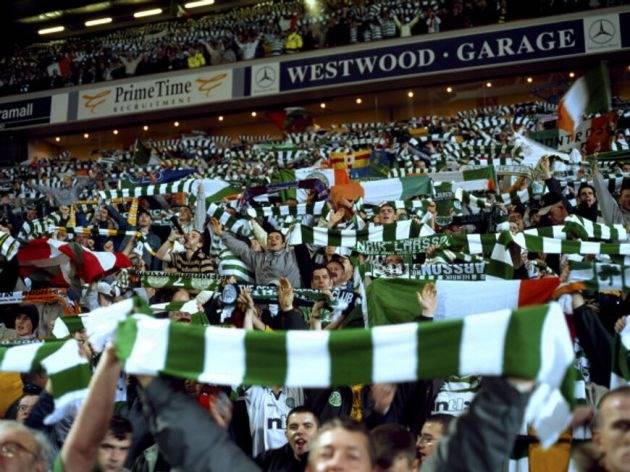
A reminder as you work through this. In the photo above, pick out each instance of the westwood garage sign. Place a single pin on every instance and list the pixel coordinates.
(536, 42)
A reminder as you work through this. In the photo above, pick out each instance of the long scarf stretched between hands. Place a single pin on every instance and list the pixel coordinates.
(94, 231)
(434, 271)
(67, 370)
(44, 296)
(301, 209)
(321, 236)
(530, 343)
(188, 281)
(600, 276)
(184, 185)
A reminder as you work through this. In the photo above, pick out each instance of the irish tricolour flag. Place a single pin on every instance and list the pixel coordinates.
(588, 94)
(394, 300)
(403, 188)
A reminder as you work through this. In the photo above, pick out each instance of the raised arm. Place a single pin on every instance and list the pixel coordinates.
(90, 427)
(610, 208)
(164, 253)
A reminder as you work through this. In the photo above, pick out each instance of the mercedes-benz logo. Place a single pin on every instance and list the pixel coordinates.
(265, 77)
(601, 31)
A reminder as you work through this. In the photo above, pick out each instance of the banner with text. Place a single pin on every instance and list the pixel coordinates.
(157, 94)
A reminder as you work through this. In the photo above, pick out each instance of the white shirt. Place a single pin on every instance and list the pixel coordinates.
(268, 415)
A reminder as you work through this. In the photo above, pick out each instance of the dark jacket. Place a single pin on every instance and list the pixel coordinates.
(188, 438)
(483, 438)
(590, 213)
(281, 459)
(596, 342)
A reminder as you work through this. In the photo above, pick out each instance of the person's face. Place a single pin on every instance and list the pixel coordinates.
(112, 453)
(625, 168)
(25, 406)
(18, 452)
(180, 316)
(587, 196)
(185, 215)
(321, 280)
(108, 246)
(386, 215)
(65, 210)
(336, 271)
(400, 464)
(301, 428)
(624, 199)
(340, 450)
(144, 220)
(558, 213)
(393, 260)
(274, 241)
(102, 214)
(23, 325)
(67, 182)
(193, 240)
(348, 269)
(612, 437)
(430, 436)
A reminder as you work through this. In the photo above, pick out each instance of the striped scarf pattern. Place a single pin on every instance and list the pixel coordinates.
(320, 236)
(69, 373)
(531, 343)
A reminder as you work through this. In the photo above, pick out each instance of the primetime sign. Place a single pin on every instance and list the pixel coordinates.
(157, 94)
(521, 44)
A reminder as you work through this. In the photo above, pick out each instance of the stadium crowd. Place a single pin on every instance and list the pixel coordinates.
(324, 231)
(262, 30)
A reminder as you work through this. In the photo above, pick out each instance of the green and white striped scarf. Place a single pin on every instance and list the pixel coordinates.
(530, 343)
(301, 209)
(235, 224)
(620, 374)
(321, 236)
(230, 265)
(68, 372)
(188, 281)
(8, 246)
(601, 276)
(184, 185)
(433, 271)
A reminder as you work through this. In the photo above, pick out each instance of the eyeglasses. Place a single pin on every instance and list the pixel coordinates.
(11, 449)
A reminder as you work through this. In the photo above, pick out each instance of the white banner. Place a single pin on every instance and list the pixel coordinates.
(196, 88)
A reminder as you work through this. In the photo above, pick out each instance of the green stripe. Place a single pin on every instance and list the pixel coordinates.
(334, 237)
(265, 358)
(46, 349)
(73, 323)
(437, 345)
(350, 356)
(415, 185)
(126, 335)
(186, 350)
(598, 88)
(524, 330)
(70, 380)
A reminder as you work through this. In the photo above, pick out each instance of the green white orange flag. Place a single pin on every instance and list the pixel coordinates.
(588, 94)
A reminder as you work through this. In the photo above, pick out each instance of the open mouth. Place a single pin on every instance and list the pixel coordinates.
(300, 442)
